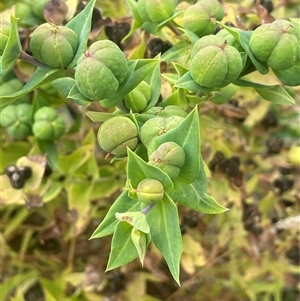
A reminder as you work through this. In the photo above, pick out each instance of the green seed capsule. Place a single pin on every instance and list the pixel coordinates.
(150, 191)
(48, 125)
(54, 45)
(116, 134)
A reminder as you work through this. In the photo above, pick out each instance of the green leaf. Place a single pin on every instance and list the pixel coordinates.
(276, 94)
(64, 85)
(290, 76)
(186, 82)
(138, 170)
(122, 247)
(137, 20)
(76, 96)
(186, 134)
(139, 240)
(81, 25)
(165, 233)
(137, 72)
(68, 164)
(101, 116)
(194, 195)
(155, 83)
(244, 37)
(180, 69)
(180, 52)
(135, 219)
(79, 201)
(40, 77)
(223, 94)
(122, 204)
(49, 147)
(296, 24)
(12, 49)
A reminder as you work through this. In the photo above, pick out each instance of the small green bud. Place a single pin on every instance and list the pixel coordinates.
(54, 45)
(169, 157)
(156, 11)
(137, 100)
(100, 70)
(116, 134)
(214, 63)
(4, 35)
(200, 17)
(17, 120)
(275, 44)
(150, 191)
(48, 124)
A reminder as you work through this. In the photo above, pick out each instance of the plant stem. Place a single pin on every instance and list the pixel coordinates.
(174, 29)
(148, 208)
(30, 59)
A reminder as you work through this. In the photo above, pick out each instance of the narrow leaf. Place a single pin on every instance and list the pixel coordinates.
(81, 25)
(122, 247)
(139, 240)
(165, 233)
(195, 195)
(276, 94)
(40, 77)
(49, 147)
(12, 49)
(187, 82)
(122, 204)
(77, 97)
(135, 219)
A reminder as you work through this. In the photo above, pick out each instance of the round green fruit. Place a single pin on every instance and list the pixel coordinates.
(158, 126)
(17, 120)
(54, 45)
(200, 17)
(116, 134)
(169, 157)
(156, 11)
(214, 63)
(150, 191)
(100, 70)
(48, 124)
(137, 100)
(275, 44)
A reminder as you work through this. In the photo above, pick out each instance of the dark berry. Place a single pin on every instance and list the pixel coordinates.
(10, 169)
(267, 4)
(17, 181)
(25, 171)
(156, 46)
(274, 145)
(269, 120)
(117, 32)
(283, 184)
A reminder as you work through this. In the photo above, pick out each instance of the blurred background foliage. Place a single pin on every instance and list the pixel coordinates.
(252, 152)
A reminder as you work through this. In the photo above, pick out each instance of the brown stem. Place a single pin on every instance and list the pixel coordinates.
(30, 59)
(174, 28)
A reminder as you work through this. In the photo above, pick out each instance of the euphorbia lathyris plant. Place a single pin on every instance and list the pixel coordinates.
(158, 136)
